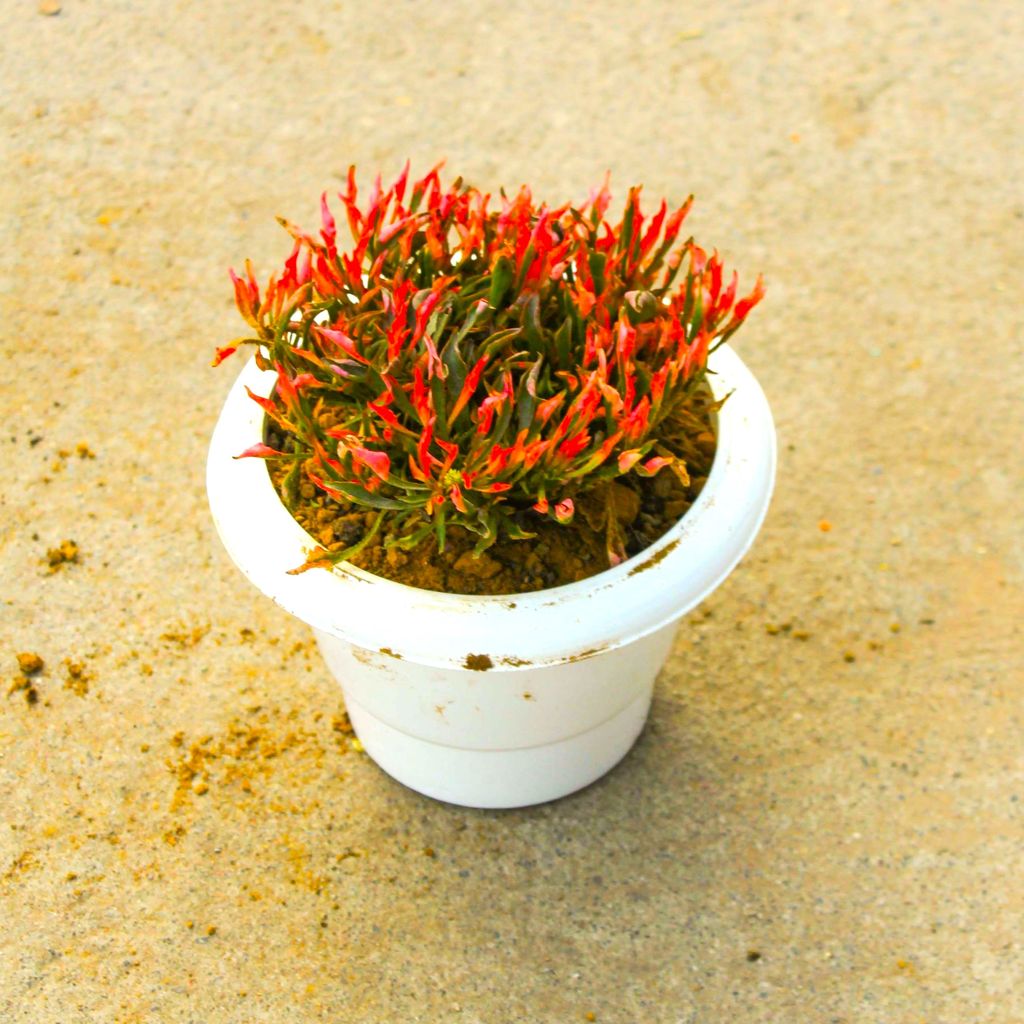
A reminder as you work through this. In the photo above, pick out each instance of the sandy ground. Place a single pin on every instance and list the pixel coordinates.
(797, 836)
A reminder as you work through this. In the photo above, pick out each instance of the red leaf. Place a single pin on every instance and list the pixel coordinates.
(451, 452)
(627, 460)
(726, 299)
(626, 341)
(247, 296)
(417, 473)
(387, 415)
(285, 388)
(652, 466)
(745, 305)
(355, 218)
(715, 284)
(329, 231)
(697, 354)
(223, 353)
(548, 408)
(421, 398)
(635, 424)
(651, 234)
(265, 403)
(676, 220)
(426, 460)
(391, 230)
(457, 499)
(343, 341)
(325, 487)
(470, 385)
(399, 186)
(259, 451)
(423, 311)
(572, 446)
(600, 198)
(698, 259)
(378, 462)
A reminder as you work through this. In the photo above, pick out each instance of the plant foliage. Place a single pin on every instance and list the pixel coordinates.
(472, 363)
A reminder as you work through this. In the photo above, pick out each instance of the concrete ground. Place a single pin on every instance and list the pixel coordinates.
(828, 829)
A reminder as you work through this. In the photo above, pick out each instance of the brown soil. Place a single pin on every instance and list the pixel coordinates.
(643, 509)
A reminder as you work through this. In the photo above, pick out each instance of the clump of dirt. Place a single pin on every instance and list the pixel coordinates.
(30, 663)
(22, 684)
(77, 680)
(64, 553)
(633, 509)
(29, 666)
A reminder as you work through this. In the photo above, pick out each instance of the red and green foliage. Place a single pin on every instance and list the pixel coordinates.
(463, 364)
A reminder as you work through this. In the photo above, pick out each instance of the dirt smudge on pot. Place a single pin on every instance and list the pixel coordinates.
(363, 655)
(583, 655)
(650, 563)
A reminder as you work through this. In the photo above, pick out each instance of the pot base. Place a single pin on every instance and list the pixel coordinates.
(501, 778)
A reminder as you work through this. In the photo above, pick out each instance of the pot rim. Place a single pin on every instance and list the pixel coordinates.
(512, 631)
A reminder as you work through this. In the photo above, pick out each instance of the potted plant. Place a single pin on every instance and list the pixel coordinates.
(529, 406)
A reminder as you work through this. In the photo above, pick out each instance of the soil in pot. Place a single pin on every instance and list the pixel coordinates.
(639, 509)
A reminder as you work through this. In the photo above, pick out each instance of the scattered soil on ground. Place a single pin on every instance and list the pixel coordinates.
(246, 751)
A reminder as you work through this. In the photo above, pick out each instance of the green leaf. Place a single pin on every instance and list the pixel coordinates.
(528, 257)
(471, 318)
(439, 527)
(531, 324)
(414, 538)
(453, 358)
(641, 306)
(361, 496)
(563, 342)
(526, 396)
(501, 279)
(501, 426)
(626, 235)
(438, 390)
(290, 485)
(493, 345)
(438, 321)
(698, 311)
(455, 364)
(403, 483)
(488, 531)
(516, 532)
(597, 261)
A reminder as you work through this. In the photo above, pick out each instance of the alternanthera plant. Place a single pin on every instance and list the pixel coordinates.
(481, 362)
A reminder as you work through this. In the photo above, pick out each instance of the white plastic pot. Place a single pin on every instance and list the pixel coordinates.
(499, 701)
